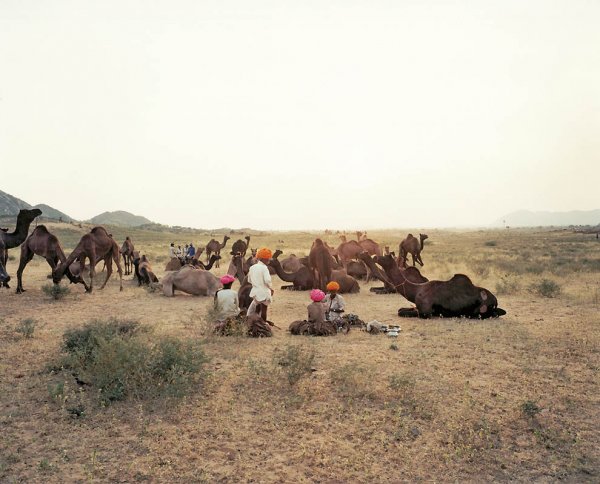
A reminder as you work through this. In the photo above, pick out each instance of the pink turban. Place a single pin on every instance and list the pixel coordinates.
(227, 279)
(317, 295)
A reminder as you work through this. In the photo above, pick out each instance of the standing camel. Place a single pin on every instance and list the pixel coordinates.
(412, 245)
(214, 247)
(10, 240)
(96, 246)
(41, 242)
(240, 247)
(127, 252)
(320, 263)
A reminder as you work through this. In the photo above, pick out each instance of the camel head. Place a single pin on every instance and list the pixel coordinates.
(423, 237)
(27, 216)
(343, 238)
(276, 254)
(385, 261)
(253, 252)
(247, 239)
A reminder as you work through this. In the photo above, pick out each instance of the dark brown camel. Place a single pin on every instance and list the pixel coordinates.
(95, 246)
(10, 240)
(411, 273)
(291, 263)
(413, 246)
(302, 279)
(41, 242)
(143, 271)
(319, 262)
(240, 247)
(214, 247)
(244, 298)
(175, 263)
(127, 252)
(453, 298)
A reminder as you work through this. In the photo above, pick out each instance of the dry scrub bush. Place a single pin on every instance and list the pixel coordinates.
(296, 361)
(122, 361)
(26, 327)
(508, 285)
(55, 291)
(353, 382)
(545, 288)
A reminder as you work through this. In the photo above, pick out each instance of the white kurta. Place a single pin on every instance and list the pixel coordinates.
(260, 278)
(227, 303)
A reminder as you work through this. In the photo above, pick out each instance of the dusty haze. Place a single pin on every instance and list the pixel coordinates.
(268, 114)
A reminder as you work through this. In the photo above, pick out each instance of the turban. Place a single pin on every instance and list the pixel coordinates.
(227, 279)
(333, 286)
(317, 295)
(264, 253)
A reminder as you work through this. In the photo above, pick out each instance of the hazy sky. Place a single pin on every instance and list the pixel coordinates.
(301, 114)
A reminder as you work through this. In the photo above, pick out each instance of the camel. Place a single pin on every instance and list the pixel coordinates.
(411, 273)
(319, 262)
(348, 285)
(291, 263)
(192, 281)
(244, 298)
(96, 246)
(143, 271)
(414, 247)
(357, 269)
(41, 242)
(241, 247)
(348, 251)
(10, 240)
(370, 246)
(176, 263)
(302, 279)
(127, 252)
(453, 298)
(214, 247)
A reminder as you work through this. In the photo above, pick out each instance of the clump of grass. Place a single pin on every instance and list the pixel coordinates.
(530, 409)
(119, 360)
(296, 361)
(490, 243)
(545, 288)
(353, 382)
(26, 327)
(55, 291)
(508, 285)
(57, 391)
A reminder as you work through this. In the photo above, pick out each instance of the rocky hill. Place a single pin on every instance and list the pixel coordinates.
(10, 206)
(120, 217)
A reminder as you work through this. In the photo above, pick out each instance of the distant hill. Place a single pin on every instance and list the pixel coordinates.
(10, 206)
(49, 212)
(526, 218)
(120, 217)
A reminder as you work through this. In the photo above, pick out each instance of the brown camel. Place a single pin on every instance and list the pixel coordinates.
(192, 281)
(176, 263)
(291, 263)
(41, 242)
(412, 245)
(319, 262)
(411, 273)
(127, 252)
(244, 298)
(240, 247)
(357, 269)
(214, 247)
(96, 246)
(370, 246)
(10, 240)
(143, 271)
(348, 285)
(348, 251)
(453, 298)
(302, 279)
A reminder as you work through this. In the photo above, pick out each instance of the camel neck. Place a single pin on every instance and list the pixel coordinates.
(284, 276)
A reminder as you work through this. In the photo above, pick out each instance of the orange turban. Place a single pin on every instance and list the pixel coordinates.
(264, 253)
(333, 286)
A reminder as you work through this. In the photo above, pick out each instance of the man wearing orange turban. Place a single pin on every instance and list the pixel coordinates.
(334, 303)
(262, 286)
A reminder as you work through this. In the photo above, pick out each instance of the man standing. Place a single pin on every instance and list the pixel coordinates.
(262, 287)
(191, 252)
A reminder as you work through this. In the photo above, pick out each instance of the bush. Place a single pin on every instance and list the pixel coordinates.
(545, 288)
(530, 409)
(353, 381)
(296, 362)
(491, 243)
(26, 327)
(119, 360)
(55, 291)
(508, 285)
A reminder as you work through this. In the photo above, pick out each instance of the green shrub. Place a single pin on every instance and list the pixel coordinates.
(296, 362)
(122, 361)
(26, 327)
(545, 288)
(55, 291)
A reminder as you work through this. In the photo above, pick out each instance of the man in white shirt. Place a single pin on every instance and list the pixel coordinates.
(172, 250)
(262, 286)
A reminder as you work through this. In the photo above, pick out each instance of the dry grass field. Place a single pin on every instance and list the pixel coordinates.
(517, 398)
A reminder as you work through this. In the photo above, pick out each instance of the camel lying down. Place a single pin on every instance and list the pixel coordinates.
(191, 280)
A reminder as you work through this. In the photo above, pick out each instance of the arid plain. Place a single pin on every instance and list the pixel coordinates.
(515, 398)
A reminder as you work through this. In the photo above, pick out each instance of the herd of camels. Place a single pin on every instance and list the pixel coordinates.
(346, 264)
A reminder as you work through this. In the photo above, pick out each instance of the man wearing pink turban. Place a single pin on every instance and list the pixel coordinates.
(226, 299)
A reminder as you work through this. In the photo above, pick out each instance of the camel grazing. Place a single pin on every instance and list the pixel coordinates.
(240, 247)
(96, 246)
(10, 240)
(319, 262)
(143, 271)
(453, 298)
(41, 242)
(127, 252)
(302, 279)
(412, 245)
(192, 281)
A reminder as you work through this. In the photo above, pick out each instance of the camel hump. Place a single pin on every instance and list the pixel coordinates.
(41, 228)
(97, 230)
(461, 279)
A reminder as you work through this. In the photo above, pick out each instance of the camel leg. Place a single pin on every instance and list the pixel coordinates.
(92, 257)
(26, 257)
(4, 277)
(119, 270)
(108, 265)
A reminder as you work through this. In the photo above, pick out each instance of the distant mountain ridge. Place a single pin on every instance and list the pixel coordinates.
(527, 218)
(10, 206)
(120, 217)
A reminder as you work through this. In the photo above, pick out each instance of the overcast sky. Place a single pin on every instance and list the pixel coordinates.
(301, 114)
